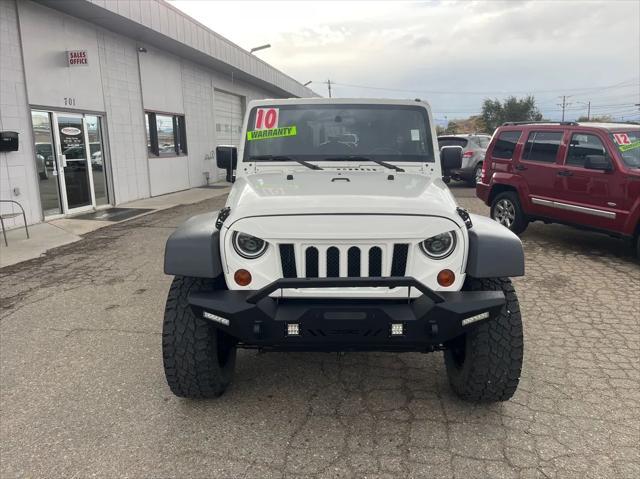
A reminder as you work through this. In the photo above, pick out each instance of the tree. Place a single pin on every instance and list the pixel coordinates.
(473, 124)
(600, 119)
(453, 128)
(495, 113)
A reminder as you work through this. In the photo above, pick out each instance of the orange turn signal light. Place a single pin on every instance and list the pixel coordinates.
(446, 277)
(242, 277)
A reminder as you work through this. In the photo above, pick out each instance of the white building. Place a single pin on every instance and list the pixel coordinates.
(117, 100)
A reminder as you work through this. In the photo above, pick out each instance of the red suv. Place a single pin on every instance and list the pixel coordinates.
(582, 174)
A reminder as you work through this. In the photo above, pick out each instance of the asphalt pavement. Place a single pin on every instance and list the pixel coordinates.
(82, 390)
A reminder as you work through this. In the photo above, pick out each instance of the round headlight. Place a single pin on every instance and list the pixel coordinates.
(439, 246)
(248, 246)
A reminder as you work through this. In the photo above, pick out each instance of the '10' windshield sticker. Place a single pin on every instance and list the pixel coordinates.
(266, 118)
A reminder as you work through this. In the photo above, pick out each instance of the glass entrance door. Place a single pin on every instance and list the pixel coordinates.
(73, 159)
(46, 163)
(93, 124)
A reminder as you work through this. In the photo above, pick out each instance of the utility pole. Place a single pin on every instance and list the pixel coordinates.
(329, 86)
(589, 111)
(564, 104)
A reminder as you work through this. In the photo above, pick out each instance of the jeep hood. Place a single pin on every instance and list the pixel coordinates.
(339, 192)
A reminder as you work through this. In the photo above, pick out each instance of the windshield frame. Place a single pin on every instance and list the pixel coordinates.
(429, 158)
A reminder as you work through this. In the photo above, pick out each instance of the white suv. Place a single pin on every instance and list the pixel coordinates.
(340, 235)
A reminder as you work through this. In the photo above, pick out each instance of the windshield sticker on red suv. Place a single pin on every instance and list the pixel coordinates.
(273, 133)
(266, 118)
(630, 146)
(621, 138)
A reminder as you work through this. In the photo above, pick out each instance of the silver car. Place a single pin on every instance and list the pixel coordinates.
(473, 150)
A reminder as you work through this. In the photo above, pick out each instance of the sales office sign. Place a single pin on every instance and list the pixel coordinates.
(76, 58)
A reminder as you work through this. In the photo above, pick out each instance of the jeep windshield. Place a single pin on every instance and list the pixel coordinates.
(628, 144)
(339, 132)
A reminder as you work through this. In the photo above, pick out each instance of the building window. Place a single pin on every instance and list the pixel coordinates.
(166, 134)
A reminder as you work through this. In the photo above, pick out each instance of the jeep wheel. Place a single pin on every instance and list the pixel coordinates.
(506, 210)
(484, 364)
(199, 359)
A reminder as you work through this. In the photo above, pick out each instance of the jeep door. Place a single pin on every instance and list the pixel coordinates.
(597, 198)
(539, 169)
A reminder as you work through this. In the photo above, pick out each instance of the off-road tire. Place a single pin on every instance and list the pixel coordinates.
(199, 359)
(484, 364)
(520, 220)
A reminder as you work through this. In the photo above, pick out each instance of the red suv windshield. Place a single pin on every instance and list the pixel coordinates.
(628, 144)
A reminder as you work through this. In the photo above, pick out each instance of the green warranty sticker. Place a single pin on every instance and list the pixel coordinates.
(631, 146)
(272, 133)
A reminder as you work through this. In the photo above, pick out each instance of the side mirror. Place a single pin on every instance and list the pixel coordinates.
(451, 157)
(598, 162)
(227, 159)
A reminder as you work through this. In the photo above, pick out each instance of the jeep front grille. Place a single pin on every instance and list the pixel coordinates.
(353, 262)
(288, 258)
(343, 261)
(311, 260)
(333, 262)
(399, 263)
(375, 261)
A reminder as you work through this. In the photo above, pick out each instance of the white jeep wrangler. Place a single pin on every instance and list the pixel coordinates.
(340, 235)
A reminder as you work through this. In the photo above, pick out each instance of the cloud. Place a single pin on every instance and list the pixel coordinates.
(493, 48)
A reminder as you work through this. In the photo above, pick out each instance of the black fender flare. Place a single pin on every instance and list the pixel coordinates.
(193, 249)
(494, 251)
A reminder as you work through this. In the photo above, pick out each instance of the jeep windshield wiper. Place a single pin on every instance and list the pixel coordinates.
(364, 158)
(259, 158)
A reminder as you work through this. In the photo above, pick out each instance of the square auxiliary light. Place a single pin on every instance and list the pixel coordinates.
(293, 329)
(397, 329)
(217, 319)
(477, 317)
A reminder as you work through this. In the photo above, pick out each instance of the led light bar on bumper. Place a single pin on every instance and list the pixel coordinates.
(424, 323)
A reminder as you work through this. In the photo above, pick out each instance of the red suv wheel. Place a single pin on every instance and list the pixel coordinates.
(506, 210)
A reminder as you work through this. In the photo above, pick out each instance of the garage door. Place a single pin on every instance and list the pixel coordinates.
(229, 114)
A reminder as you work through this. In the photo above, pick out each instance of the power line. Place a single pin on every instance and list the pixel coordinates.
(585, 90)
(600, 96)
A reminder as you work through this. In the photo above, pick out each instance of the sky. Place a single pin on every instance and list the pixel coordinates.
(453, 54)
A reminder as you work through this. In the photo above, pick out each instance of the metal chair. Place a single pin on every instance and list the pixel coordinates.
(12, 215)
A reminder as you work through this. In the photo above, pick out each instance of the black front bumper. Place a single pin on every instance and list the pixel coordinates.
(428, 321)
